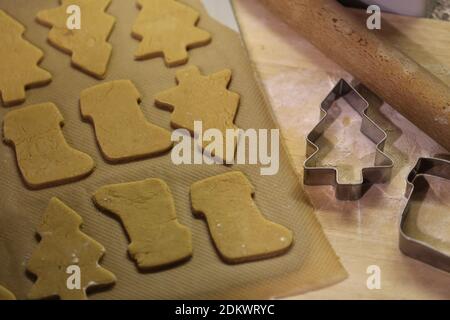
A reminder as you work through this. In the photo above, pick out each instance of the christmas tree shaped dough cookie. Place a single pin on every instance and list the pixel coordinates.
(44, 157)
(66, 262)
(237, 227)
(18, 62)
(5, 294)
(167, 28)
(147, 211)
(201, 98)
(88, 45)
(122, 131)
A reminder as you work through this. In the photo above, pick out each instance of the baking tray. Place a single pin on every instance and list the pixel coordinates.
(310, 264)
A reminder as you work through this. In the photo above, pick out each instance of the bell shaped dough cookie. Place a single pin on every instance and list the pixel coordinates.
(5, 294)
(202, 98)
(88, 45)
(44, 157)
(147, 211)
(66, 261)
(167, 28)
(239, 230)
(123, 133)
(18, 62)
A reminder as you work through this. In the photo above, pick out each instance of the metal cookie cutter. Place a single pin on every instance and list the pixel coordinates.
(416, 183)
(379, 173)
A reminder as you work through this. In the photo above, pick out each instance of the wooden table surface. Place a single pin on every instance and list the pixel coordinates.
(296, 78)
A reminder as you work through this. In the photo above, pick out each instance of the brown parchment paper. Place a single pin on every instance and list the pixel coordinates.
(310, 264)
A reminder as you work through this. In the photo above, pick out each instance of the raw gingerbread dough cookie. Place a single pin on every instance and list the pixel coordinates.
(237, 227)
(147, 211)
(18, 62)
(5, 294)
(43, 155)
(167, 28)
(122, 131)
(201, 98)
(63, 247)
(88, 45)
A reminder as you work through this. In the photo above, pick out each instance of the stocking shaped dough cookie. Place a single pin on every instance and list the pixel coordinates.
(18, 62)
(43, 155)
(88, 45)
(201, 98)
(167, 28)
(66, 262)
(237, 227)
(5, 294)
(147, 211)
(122, 131)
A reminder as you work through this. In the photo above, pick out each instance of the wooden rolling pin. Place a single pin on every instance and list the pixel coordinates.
(408, 87)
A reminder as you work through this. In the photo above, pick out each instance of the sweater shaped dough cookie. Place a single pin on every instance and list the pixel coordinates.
(237, 227)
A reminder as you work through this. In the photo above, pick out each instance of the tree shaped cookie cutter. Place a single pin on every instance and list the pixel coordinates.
(409, 245)
(379, 173)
